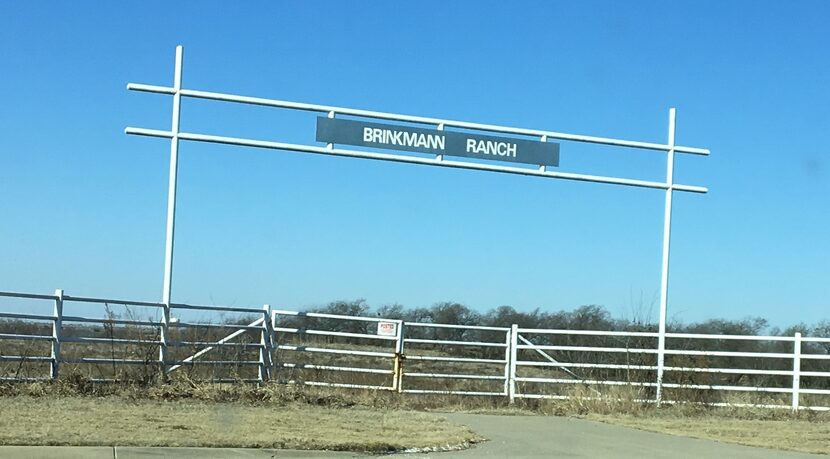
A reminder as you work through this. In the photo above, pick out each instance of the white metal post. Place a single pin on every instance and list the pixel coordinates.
(796, 370)
(508, 350)
(264, 373)
(664, 277)
(57, 324)
(275, 365)
(171, 206)
(514, 342)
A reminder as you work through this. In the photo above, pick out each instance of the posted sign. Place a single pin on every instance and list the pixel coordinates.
(387, 329)
(450, 143)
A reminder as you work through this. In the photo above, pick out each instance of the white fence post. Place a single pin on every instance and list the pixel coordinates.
(57, 325)
(796, 369)
(514, 342)
(164, 330)
(507, 360)
(264, 373)
(275, 366)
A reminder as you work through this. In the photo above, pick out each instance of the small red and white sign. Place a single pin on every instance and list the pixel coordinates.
(387, 329)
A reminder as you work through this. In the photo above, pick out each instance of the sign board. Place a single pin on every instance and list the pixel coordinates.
(450, 143)
(387, 329)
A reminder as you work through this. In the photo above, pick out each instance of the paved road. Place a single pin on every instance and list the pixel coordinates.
(510, 436)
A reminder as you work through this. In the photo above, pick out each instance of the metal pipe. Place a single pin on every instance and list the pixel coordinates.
(664, 275)
(466, 327)
(411, 160)
(304, 366)
(411, 119)
(215, 308)
(302, 331)
(16, 336)
(455, 376)
(81, 299)
(32, 296)
(327, 316)
(459, 343)
(14, 315)
(171, 206)
(452, 392)
(796, 370)
(542, 331)
(454, 359)
(287, 347)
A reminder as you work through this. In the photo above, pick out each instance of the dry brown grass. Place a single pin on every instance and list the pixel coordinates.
(804, 431)
(75, 420)
(794, 434)
(185, 412)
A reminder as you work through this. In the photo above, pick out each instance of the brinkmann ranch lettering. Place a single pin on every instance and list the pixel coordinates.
(436, 142)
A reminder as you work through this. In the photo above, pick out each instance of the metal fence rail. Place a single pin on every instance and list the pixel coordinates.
(344, 351)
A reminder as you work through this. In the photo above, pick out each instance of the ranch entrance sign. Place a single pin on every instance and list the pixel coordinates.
(437, 138)
(376, 135)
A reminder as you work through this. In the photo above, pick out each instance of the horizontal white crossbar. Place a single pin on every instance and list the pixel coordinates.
(81, 299)
(14, 315)
(459, 343)
(461, 327)
(815, 356)
(24, 358)
(92, 320)
(451, 392)
(84, 339)
(544, 331)
(212, 344)
(30, 296)
(16, 336)
(411, 160)
(815, 374)
(349, 386)
(586, 381)
(308, 366)
(217, 308)
(302, 331)
(453, 376)
(453, 359)
(286, 347)
(586, 349)
(321, 315)
(413, 119)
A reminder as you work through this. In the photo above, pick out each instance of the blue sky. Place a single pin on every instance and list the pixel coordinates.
(83, 204)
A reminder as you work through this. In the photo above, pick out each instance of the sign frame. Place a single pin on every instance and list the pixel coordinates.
(175, 135)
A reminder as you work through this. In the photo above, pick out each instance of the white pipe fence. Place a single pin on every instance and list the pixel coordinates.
(111, 331)
(375, 353)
